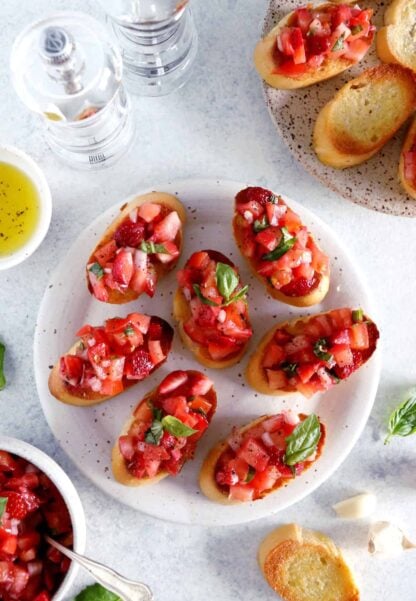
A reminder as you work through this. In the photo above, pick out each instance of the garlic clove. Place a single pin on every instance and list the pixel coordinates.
(359, 506)
(385, 538)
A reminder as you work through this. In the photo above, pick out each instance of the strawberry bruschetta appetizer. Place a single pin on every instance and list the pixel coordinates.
(312, 354)
(280, 250)
(164, 429)
(260, 457)
(211, 309)
(110, 358)
(137, 249)
(314, 43)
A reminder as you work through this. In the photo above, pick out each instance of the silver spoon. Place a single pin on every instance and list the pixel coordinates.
(128, 590)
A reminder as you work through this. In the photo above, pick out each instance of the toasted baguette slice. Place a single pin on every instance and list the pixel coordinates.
(266, 61)
(364, 115)
(261, 484)
(168, 201)
(325, 326)
(408, 184)
(396, 41)
(305, 565)
(183, 314)
(143, 416)
(82, 397)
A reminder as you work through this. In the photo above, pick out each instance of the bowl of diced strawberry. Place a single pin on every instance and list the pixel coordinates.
(36, 499)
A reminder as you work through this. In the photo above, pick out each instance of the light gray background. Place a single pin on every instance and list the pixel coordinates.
(217, 127)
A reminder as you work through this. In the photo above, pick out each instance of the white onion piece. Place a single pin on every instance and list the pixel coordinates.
(133, 215)
(248, 216)
(357, 507)
(235, 439)
(267, 439)
(291, 417)
(222, 316)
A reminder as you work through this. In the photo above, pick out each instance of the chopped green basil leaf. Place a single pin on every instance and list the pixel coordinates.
(303, 441)
(151, 248)
(273, 199)
(202, 298)
(320, 349)
(356, 29)
(285, 244)
(260, 224)
(3, 503)
(289, 368)
(174, 426)
(339, 44)
(96, 592)
(129, 331)
(241, 295)
(157, 413)
(227, 280)
(251, 474)
(357, 315)
(154, 433)
(2, 376)
(402, 421)
(97, 270)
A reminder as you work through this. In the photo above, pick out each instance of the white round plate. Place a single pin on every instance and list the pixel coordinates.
(88, 434)
(373, 184)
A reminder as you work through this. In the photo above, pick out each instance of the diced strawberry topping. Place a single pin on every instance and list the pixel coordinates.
(130, 234)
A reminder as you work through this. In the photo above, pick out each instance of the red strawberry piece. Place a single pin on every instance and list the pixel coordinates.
(173, 381)
(123, 267)
(16, 505)
(167, 228)
(129, 233)
(43, 596)
(138, 365)
(256, 194)
(300, 287)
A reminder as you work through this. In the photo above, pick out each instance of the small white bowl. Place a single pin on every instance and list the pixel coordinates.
(18, 158)
(69, 495)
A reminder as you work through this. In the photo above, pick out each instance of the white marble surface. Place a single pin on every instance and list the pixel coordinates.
(218, 127)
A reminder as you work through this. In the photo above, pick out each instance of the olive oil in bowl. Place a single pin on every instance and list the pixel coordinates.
(19, 209)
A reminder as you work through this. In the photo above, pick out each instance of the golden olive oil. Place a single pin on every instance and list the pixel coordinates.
(19, 208)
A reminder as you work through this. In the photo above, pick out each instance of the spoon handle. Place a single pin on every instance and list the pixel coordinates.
(128, 590)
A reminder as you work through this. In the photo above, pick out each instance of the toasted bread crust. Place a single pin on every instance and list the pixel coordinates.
(340, 149)
(408, 143)
(182, 313)
(390, 43)
(161, 198)
(313, 298)
(288, 543)
(265, 62)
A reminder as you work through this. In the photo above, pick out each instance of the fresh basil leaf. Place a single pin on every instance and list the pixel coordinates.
(152, 248)
(303, 441)
(356, 29)
(129, 331)
(157, 413)
(285, 244)
(250, 475)
(227, 280)
(339, 44)
(154, 433)
(3, 503)
(260, 224)
(2, 376)
(174, 426)
(97, 270)
(289, 368)
(96, 592)
(402, 421)
(320, 349)
(241, 295)
(357, 315)
(202, 298)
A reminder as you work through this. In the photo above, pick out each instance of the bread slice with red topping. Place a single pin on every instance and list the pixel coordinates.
(108, 359)
(312, 354)
(396, 40)
(164, 430)
(211, 309)
(311, 44)
(137, 249)
(279, 248)
(260, 457)
(407, 164)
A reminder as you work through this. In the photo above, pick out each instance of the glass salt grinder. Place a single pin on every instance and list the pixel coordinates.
(66, 69)
(158, 42)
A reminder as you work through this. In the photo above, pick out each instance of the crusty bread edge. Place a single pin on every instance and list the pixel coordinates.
(385, 52)
(410, 138)
(161, 198)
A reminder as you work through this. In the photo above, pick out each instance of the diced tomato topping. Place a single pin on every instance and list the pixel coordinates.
(359, 336)
(123, 267)
(254, 453)
(72, 369)
(106, 253)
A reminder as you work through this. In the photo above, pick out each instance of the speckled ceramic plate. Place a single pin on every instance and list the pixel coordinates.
(88, 434)
(373, 184)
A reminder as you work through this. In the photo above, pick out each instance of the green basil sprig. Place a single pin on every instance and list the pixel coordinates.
(285, 244)
(227, 281)
(339, 44)
(260, 224)
(303, 441)
(320, 350)
(152, 248)
(402, 421)
(97, 270)
(2, 376)
(202, 298)
(170, 424)
(3, 503)
(357, 315)
(96, 592)
(289, 368)
(250, 474)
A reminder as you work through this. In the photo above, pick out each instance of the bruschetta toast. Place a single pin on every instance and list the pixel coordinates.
(312, 354)
(407, 164)
(311, 44)
(211, 309)
(396, 40)
(363, 115)
(260, 457)
(141, 245)
(111, 358)
(164, 429)
(305, 565)
(279, 249)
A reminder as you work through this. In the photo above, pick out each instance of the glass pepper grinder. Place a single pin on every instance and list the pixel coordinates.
(158, 42)
(66, 69)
